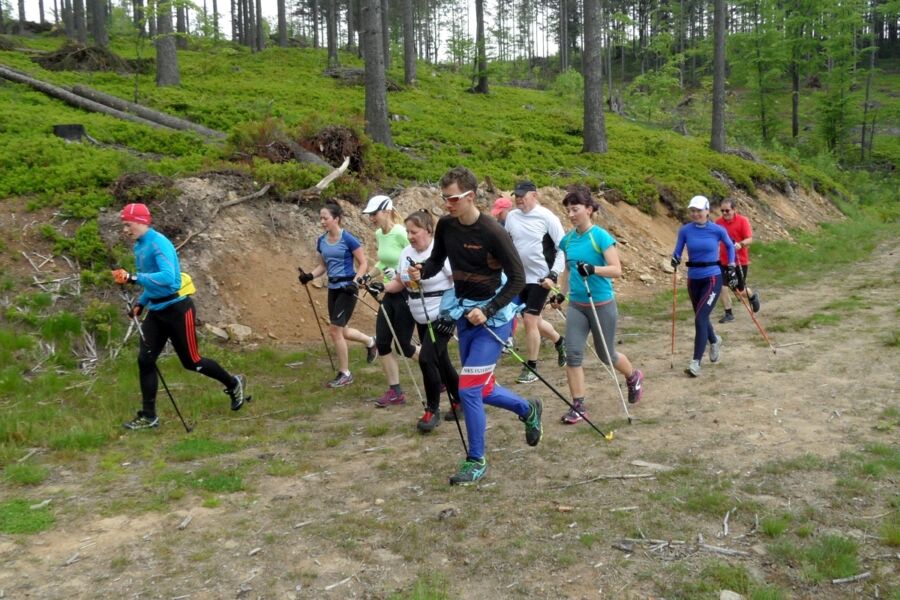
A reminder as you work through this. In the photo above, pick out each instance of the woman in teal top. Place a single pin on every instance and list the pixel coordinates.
(391, 239)
(591, 258)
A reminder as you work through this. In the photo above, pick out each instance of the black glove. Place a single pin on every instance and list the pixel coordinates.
(363, 279)
(305, 277)
(675, 262)
(444, 326)
(375, 288)
(351, 288)
(731, 277)
(557, 299)
(584, 269)
(552, 276)
(135, 310)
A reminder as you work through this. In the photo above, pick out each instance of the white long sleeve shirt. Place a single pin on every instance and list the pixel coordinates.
(536, 235)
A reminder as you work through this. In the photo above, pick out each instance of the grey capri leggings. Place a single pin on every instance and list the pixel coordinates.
(579, 318)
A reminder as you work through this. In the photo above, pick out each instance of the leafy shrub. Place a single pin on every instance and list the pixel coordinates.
(568, 84)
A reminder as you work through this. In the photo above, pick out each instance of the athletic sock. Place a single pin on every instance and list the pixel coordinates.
(397, 389)
(371, 342)
(728, 311)
(559, 342)
(532, 364)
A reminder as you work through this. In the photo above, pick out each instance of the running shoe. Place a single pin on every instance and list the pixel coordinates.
(390, 398)
(728, 318)
(561, 351)
(454, 412)
(635, 386)
(533, 428)
(693, 369)
(340, 380)
(470, 471)
(236, 392)
(142, 422)
(429, 421)
(372, 352)
(526, 376)
(715, 349)
(574, 415)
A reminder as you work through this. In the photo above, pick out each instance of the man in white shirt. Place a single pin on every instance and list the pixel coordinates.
(536, 233)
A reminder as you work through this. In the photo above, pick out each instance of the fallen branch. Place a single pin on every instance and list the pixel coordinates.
(720, 550)
(254, 195)
(607, 477)
(316, 190)
(853, 579)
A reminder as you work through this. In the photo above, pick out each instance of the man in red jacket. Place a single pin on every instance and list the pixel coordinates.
(740, 232)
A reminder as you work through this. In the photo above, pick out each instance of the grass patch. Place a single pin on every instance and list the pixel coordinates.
(208, 479)
(774, 526)
(426, 587)
(193, 448)
(17, 516)
(804, 462)
(830, 557)
(26, 474)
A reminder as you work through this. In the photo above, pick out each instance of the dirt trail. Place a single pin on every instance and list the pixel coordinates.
(363, 518)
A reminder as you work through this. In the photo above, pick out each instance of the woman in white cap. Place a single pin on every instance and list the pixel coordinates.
(391, 239)
(704, 282)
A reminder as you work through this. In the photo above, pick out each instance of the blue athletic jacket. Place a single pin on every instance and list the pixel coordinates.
(158, 270)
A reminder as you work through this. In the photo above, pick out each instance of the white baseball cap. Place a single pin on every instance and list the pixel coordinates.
(377, 203)
(699, 202)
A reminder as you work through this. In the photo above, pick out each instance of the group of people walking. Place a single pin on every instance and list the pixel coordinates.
(469, 276)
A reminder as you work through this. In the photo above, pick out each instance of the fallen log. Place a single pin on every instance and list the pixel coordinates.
(73, 99)
(146, 113)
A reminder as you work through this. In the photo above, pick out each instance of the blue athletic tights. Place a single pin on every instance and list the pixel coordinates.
(704, 294)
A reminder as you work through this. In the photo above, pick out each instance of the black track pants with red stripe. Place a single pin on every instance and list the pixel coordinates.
(175, 323)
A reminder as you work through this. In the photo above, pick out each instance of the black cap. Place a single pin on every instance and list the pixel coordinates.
(523, 187)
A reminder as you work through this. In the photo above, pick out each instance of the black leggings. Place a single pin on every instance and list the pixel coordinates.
(398, 311)
(436, 366)
(175, 323)
(704, 294)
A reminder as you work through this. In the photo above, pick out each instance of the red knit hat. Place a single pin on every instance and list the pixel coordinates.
(136, 213)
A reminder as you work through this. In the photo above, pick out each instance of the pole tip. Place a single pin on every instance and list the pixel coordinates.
(609, 436)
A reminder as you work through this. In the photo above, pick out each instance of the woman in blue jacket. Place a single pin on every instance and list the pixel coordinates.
(701, 237)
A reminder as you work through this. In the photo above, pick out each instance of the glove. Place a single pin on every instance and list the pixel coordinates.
(375, 288)
(135, 310)
(304, 277)
(557, 299)
(351, 288)
(121, 276)
(731, 277)
(584, 269)
(675, 262)
(389, 273)
(444, 326)
(552, 276)
(363, 279)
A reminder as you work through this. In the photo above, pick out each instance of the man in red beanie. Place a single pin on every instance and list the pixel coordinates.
(170, 316)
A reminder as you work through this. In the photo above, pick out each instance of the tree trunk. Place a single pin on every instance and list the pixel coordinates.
(385, 35)
(592, 67)
(80, 24)
(331, 32)
(717, 138)
(378, 126)
(138, 8)
(480, 50)
(563, 35)
(21, 12)
(409, 44)
(98, 24)
(872, 51)
(352, 25)
(250, 23)
(282, 25)
(314, 15)
(260, 28)
(215, 20)
(41, 12)
(166, 51)
(151, 20)
(180, 27)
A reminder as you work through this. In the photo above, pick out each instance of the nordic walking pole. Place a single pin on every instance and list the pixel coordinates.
(159, 374)
(319, 323)
(755, 320)
(398, 346)
(610, 369)
(606, 436)
(674, 295)
(412, 263)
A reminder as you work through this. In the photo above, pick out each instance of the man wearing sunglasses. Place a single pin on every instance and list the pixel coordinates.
(487, 274)
(740, 232)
